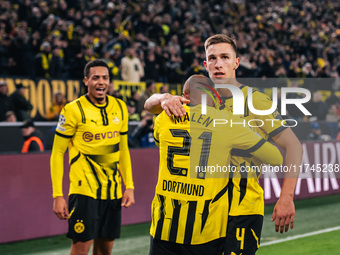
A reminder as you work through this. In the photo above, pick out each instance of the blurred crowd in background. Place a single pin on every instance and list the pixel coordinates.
(275, 38)
(163, 41)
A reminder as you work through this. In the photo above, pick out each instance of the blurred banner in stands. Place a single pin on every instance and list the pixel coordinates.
(40, 91)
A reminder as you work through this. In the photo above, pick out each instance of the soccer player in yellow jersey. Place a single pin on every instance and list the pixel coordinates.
(94, 128)
(246, 212)
(191, 200)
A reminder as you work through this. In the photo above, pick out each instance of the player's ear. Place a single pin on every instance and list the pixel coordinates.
(85, 80)
(186, 96)
(237, 63)
(205, 65)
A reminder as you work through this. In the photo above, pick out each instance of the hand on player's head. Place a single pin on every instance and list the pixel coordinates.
(172, 105)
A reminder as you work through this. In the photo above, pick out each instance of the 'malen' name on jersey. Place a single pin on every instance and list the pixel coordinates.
(205, 120)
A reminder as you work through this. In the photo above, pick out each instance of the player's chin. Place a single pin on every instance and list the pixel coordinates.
(100, 98)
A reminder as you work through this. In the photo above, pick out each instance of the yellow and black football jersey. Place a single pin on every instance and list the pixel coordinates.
(245, 191)
(191, 201)
(96, 136)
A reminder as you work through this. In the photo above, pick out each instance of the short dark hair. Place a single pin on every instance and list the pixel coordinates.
(149, 83)
(220, 38)
(94, 63)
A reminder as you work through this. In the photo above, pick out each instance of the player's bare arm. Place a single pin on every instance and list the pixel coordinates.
(167, 102)
(284, 210)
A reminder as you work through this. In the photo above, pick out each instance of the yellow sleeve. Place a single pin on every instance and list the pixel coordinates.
(156, 129)
(64, 132)
(272, 122)
(125, 163)
(124, 156)
(57, 164)
(268, 154)
(247, 142)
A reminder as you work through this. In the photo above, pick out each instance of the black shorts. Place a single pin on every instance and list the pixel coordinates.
(91, 218)
(243, 234)
(160, 247)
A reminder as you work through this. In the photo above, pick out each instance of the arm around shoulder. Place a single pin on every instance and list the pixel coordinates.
(167, 102)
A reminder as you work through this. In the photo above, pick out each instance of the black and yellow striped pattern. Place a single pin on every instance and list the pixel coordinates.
(95, 133)
(244, 190)
(190, 206)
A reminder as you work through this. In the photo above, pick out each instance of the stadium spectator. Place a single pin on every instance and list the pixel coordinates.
(94, 211)
(332, 115)
(270, 38)
(332, 99)
(56, 64)
(150, 87)
(10, 116)
(332, 119)
(131, 67)
(135, 96)
(151, 67)
(6, 58)
(316, 133)
(131, 106)
(287, 40)
(42, 60)
(114, 92)
(5, 102)
(77, 64)
(22, 51)
(142, 135)
(32, 136)
(164, 89)
(195, 68)
(20, 105)
(317, 107)
(58, 104)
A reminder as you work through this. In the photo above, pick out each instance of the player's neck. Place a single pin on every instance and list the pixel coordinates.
(96, 101)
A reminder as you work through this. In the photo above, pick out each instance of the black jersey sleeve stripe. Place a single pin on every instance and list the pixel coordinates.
(205, 213)
(75, 159)
(155, 139)
(189, 228)
(83, 119)
(62, 135)
(246, 153)
(160, 222)
(174, 222)
(123, 133)
(121, 108)
(276, 131)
